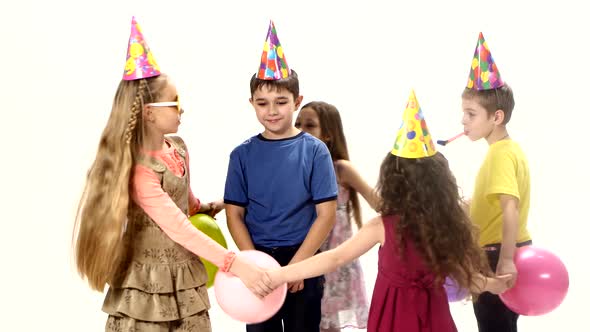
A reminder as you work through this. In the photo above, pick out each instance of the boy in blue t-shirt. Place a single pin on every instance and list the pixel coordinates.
(280, 190)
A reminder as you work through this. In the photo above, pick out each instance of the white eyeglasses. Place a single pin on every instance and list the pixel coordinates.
(168, 104)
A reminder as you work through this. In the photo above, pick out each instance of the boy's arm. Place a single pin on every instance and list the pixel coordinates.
(510, 217)
(236, 199)
(318, 232)
(237, 228)
(323, 224)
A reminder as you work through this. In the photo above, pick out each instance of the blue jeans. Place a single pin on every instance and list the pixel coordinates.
(491, 313)
(302, 311)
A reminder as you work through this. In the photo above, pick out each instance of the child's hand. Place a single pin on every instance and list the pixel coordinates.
(252, 276)
(498, 284)
(506, 266)
(295, 286)
(272, 278)
(215, 207)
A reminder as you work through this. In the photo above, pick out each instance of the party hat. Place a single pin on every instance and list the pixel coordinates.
(140, 61)
(273, 64)
(484, 74)
(413, 137)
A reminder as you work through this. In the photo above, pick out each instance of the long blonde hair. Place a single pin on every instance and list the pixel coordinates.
(99, 246)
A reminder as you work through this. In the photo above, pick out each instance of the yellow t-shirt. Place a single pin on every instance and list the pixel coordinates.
(505, 170)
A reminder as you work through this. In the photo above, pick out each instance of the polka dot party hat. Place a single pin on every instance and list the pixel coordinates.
(140, 61)
(273, 64)
(484, 74)
(413, 138)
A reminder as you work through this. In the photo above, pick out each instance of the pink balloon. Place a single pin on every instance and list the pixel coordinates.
(236, 299)
(541, 285)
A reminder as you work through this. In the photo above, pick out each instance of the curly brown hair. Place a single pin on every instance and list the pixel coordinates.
(424, 194)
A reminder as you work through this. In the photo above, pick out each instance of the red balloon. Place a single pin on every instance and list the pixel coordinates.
(541, 284)
(239, 302)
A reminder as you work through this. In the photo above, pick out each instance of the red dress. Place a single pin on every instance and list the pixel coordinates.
(405, 298)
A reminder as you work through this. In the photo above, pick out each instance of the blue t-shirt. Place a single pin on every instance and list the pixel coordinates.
(279, 182)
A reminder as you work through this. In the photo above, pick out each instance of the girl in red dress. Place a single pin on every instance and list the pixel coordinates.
(424, 236)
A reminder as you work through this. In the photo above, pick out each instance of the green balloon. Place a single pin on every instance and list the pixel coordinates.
(207, 225)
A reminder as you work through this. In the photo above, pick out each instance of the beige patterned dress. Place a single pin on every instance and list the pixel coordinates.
(163, 286)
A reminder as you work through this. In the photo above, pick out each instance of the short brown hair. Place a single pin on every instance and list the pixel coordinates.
(492, 100)
(291, 84)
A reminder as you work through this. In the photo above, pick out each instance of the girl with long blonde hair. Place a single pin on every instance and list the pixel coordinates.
(132, 231)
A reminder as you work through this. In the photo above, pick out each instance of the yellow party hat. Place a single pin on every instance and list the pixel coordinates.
(413, 138)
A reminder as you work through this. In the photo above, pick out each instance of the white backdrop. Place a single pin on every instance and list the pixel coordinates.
(62, 61)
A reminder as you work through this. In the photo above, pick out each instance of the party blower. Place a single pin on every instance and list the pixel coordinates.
(445, 142)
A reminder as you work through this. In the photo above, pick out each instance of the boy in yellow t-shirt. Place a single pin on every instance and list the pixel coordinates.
(500, 202)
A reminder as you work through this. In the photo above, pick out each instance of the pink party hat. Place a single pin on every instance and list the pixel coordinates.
(273, 64)
(140, 61)
(484, 74)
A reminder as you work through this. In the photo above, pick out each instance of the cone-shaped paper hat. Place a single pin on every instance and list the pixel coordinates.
(413, 138)
(140, 61)
(273, 64)
(483, 74)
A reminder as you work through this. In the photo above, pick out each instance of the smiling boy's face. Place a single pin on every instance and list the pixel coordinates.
(274, 110)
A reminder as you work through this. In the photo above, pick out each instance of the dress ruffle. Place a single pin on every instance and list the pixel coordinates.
(159, 293)
(199, 322)
(165, 278)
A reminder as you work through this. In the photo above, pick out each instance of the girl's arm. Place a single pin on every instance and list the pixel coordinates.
(194, 204)
(148, 194)
(496, 285)
(350, 177)
(371, 234)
